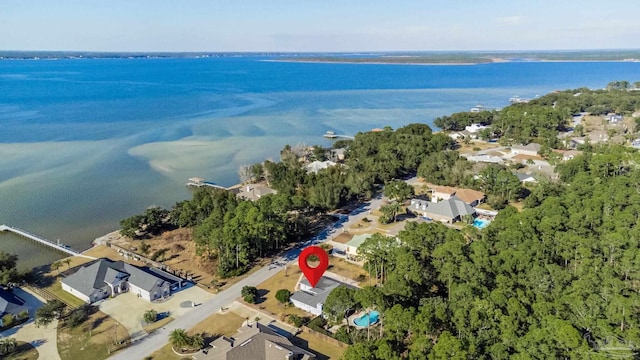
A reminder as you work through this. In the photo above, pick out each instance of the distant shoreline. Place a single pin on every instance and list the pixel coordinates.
(382, 61)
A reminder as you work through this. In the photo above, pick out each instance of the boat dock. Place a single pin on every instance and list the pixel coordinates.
(60, 247)
(200, 182)
(332, 135)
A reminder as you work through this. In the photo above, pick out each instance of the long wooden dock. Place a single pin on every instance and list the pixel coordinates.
(199, 182)
(43, 241)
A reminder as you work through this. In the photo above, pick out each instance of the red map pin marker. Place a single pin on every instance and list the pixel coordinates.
(313, 274)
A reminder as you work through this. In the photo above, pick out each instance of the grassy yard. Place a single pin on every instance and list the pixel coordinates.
(322, 349)
(268, 291)
(94, 339)
(56, 289)
(211, 327)
(24, 351)
(350, 271)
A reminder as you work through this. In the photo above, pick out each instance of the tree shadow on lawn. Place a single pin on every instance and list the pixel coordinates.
(97, 322)
(262, 296)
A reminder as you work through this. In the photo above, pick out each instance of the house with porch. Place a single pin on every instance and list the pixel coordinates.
(105, 278)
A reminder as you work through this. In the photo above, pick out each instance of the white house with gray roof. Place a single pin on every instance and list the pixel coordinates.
(311, 299)
(104, 278)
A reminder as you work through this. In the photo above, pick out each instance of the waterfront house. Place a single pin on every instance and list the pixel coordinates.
(337, 155)
(311, 299)
(316, 166)
(474, 128)
(253, 192)
(447, 211)
(104, 278)
(530, 149)
(11, 304)
(253, 341)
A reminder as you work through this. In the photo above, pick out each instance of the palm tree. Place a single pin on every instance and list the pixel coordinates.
(7, 345)
(179, 338)
(56, 266)
(68, 262)
(196, 341)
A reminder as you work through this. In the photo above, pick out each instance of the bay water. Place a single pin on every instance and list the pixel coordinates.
(85, 143)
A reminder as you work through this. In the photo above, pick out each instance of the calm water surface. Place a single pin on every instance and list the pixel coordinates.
(86, 143)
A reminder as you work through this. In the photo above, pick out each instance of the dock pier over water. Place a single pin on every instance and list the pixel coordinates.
(60, 247)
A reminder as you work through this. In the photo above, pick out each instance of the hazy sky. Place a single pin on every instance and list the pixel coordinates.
(318, 25)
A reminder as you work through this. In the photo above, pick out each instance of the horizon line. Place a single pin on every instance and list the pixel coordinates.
(318, 51)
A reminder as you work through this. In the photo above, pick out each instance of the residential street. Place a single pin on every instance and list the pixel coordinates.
(147, 345)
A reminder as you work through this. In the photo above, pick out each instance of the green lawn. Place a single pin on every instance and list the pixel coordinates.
(56, 289)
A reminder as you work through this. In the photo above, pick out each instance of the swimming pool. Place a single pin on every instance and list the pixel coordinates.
(367, 319)
(481, 223)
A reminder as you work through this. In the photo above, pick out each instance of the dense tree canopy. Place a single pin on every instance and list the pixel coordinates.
(8, 272)
(556, 280)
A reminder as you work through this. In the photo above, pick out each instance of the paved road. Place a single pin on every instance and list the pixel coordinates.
(44, 339)
(160, 337)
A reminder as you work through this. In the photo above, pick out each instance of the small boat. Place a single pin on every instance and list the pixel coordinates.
(518, 100)
(330, 134)
(478, 108)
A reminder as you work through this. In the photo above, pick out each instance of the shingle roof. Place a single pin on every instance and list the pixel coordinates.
(256, 342)
(92, 276)
(451, 208)
(10, 303)
(318, 294)
(530, 147)
(319, 165)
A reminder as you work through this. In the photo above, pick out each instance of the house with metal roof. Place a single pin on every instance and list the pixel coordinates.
(106, 278)
(255, 342)
(11, 304)
(448, 211)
